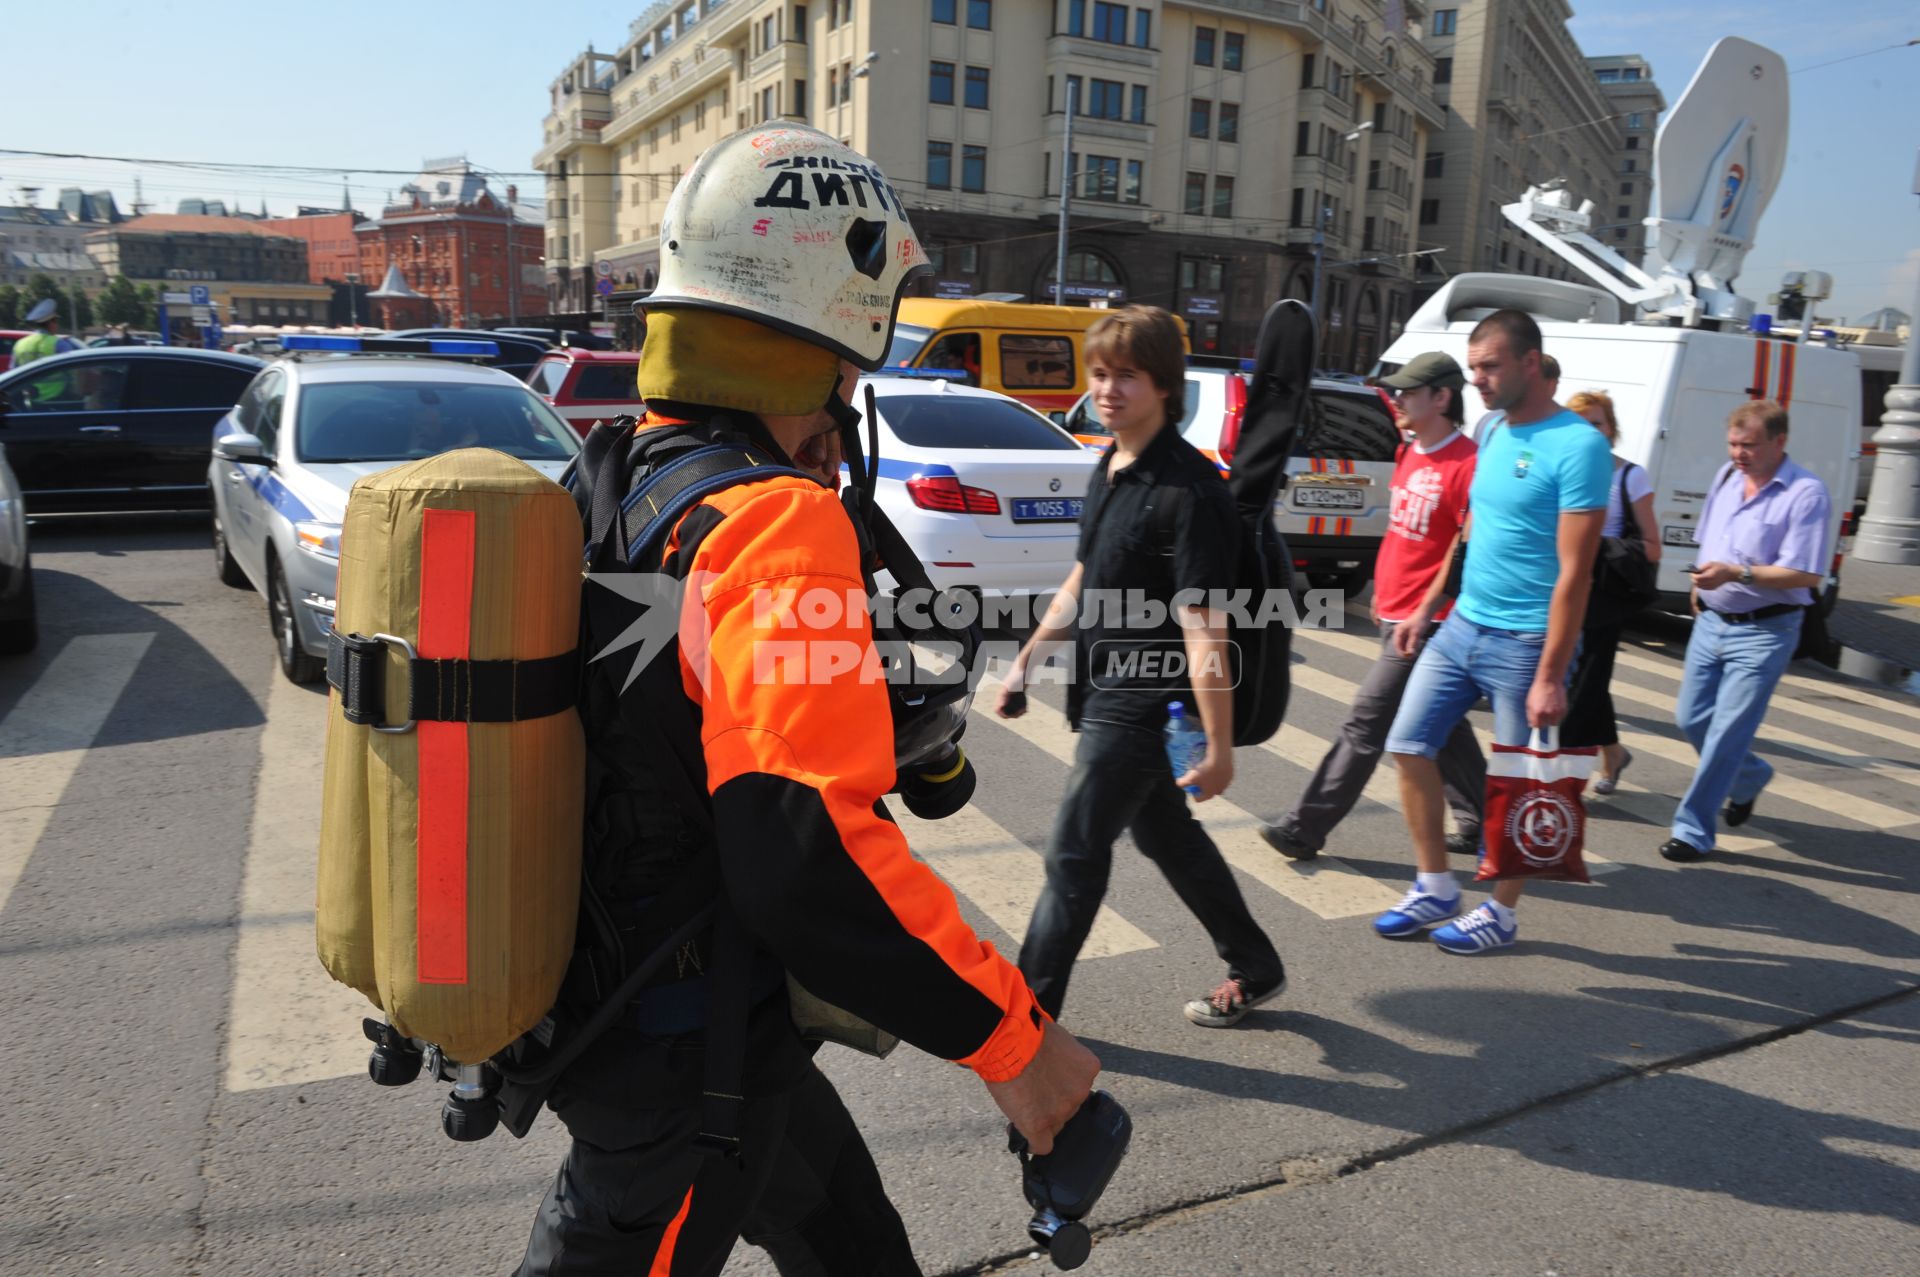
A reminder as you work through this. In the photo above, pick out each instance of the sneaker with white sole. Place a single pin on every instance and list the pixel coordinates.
(1228, 1005)
(1476, 932)
(1416, 911)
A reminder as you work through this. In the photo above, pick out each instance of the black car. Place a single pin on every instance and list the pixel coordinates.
(517, 355)
(118, 427)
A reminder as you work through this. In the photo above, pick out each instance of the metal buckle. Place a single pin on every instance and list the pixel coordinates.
(402, 728)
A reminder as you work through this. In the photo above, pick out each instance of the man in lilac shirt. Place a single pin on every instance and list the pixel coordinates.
(1762, 553)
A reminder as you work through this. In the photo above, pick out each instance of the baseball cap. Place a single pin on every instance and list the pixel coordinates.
(1434, 368)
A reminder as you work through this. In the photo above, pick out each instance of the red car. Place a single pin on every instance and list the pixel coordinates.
(586, 386)
(7, 337)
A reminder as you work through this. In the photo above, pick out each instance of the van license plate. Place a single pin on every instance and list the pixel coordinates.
(1329, 498)
(1677, 536)
(1046, 509)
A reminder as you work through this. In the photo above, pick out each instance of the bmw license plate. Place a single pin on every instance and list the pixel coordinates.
(1329, 498)
(1046, 509)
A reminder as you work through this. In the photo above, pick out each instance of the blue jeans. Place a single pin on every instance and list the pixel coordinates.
(1461, 663)
(1731, 672)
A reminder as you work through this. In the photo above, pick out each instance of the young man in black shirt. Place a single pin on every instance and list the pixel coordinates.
(1158, 520)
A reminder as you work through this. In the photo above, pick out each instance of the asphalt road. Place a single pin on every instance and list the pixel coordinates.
(1704, 1069)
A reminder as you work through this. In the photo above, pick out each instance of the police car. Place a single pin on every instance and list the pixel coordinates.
(287, 455)
(985, 490)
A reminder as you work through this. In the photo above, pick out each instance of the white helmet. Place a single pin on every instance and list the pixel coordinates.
(785, 226)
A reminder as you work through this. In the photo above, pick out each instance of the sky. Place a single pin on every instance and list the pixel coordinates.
(353, 84)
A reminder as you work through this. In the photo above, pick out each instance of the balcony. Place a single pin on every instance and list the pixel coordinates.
(1063, 47)
(1383, 197)
(1090, 126)
(1327, 174)
(666, 82)
(787, 58)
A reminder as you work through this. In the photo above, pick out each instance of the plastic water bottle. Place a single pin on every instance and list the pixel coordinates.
(1186, 743)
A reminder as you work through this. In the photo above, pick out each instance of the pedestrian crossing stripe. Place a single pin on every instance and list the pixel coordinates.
(1863, 810)
(48, 733)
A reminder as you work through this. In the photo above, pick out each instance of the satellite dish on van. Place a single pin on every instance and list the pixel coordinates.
(1716, 162)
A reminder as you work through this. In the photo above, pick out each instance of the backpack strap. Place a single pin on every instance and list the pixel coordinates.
(659, 501)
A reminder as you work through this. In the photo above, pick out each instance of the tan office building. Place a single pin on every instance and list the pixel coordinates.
(1626, 80)
(1523, 107)
(1207, 135)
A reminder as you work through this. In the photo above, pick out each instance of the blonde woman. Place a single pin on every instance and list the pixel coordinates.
(1590, 719)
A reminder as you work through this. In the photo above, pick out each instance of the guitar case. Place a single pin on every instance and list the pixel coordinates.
(1278, 399)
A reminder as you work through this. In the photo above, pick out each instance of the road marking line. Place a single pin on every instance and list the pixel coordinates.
(1326, 885)
(1003, 876)
(288, 1021)
(1826, 715)
(46, 736)
(1837, 802)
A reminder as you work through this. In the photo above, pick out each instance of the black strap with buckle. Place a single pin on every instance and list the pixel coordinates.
(447, 690)
(1758, 614)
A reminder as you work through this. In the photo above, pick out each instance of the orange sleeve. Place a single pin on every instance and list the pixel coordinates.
(776, 649)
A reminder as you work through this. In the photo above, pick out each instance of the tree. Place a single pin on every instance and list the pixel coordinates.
(82, 310)
(9, 306)
(120, 304)
(149, 307)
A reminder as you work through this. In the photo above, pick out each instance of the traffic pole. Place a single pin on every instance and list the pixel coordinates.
(1890, 531)
(1066, 192)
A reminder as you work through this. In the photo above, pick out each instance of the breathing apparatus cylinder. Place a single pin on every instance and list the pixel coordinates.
(449, 869)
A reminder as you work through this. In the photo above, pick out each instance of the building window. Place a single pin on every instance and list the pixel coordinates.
(1629, 166)
(940, 83)
(1138, 111)
(846, 83)
(1104, 99)
(800, 22)
(944, 11)
(980, 14)
(1143, 28)
(1303, 138)
(1223, 197)
(833, 85)
(1229, 121)
(1446, 21)
(1633, 144)
(973, 169)
(1306, 72)
(800, 98)
(1626, 188)
(1429, 212)
(699, 116)
(1443, 70)
(1203, 46)
(1436, 165)
(1197, 193)
(1199, 117)
(940, 166)
(1636, 121)
(1109, 22)
(1297, 211)
(1100, 178)
(1233, 52)
(1076, 17)
(977, 87)
(1366, 236)
(1136, 182)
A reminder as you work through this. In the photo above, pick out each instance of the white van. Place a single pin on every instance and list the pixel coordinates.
(1673, 389)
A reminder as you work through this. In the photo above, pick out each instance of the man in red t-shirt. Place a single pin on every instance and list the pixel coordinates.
(1428, 510)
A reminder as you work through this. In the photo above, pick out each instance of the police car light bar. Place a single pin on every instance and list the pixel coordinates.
(468, 348)
(923, 374)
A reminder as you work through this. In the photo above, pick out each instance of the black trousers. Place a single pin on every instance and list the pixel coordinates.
(1590, 718)
(1121, 781)
(635, 1197)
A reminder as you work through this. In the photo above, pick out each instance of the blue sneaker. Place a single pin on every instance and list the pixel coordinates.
(1416, 911)
(1476, 933)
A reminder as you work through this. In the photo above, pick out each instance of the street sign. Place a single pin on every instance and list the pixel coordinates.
(604, 288)
(176, 299)
(203, 315)
(198, 295)
(603, 269)
(1201, 304)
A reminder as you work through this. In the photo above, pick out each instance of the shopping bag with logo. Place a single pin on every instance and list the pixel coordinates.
(1536, 819)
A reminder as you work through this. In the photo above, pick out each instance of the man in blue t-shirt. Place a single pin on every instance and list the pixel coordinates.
(1538, 499)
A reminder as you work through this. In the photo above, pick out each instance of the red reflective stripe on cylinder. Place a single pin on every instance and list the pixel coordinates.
(1762, 369)
(446, 604)
(1786, 376)
(662, 1265)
